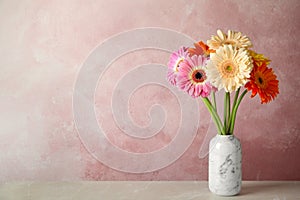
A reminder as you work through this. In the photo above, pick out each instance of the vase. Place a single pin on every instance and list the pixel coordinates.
(225, 165)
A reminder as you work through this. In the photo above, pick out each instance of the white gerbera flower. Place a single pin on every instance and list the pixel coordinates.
(229, 68)
(233, 38)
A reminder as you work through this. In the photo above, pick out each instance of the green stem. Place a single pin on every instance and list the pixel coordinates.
(214, 115)
(227, 110)
(233, 105)
(234, 111)
(236, 97)
(228, 106)
(214, 101)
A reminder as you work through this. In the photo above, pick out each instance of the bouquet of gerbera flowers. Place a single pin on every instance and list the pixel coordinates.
(225, 62)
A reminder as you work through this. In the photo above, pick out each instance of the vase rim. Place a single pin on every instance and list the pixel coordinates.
(224, 135)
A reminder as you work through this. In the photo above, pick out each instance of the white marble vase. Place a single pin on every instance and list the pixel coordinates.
(225, 165)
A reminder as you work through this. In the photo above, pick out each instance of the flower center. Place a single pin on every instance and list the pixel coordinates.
(227, 69)
(260, 81)
(230, 42)
(176, 67)
(198, 76)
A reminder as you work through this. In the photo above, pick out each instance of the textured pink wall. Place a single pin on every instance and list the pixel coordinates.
(44, 43)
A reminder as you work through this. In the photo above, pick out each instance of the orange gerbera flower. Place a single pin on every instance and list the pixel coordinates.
(263, 81)
(200, 49)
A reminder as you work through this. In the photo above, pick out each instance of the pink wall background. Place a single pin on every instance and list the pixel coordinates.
(44, 43)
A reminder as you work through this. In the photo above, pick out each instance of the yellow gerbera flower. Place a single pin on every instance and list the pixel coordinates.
(233, 38)
(259, 59)
(229, 68)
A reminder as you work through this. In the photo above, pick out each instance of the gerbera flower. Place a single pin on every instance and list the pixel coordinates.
(233, 38)
(229, 68)
(200, 49)
(175, 59)
(259, 59)
(192, 77)
(263, 81)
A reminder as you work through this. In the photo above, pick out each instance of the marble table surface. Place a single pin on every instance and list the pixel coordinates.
(143, 190)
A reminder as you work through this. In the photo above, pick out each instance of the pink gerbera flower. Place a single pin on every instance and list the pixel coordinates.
(174, 63)
(192, 77)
